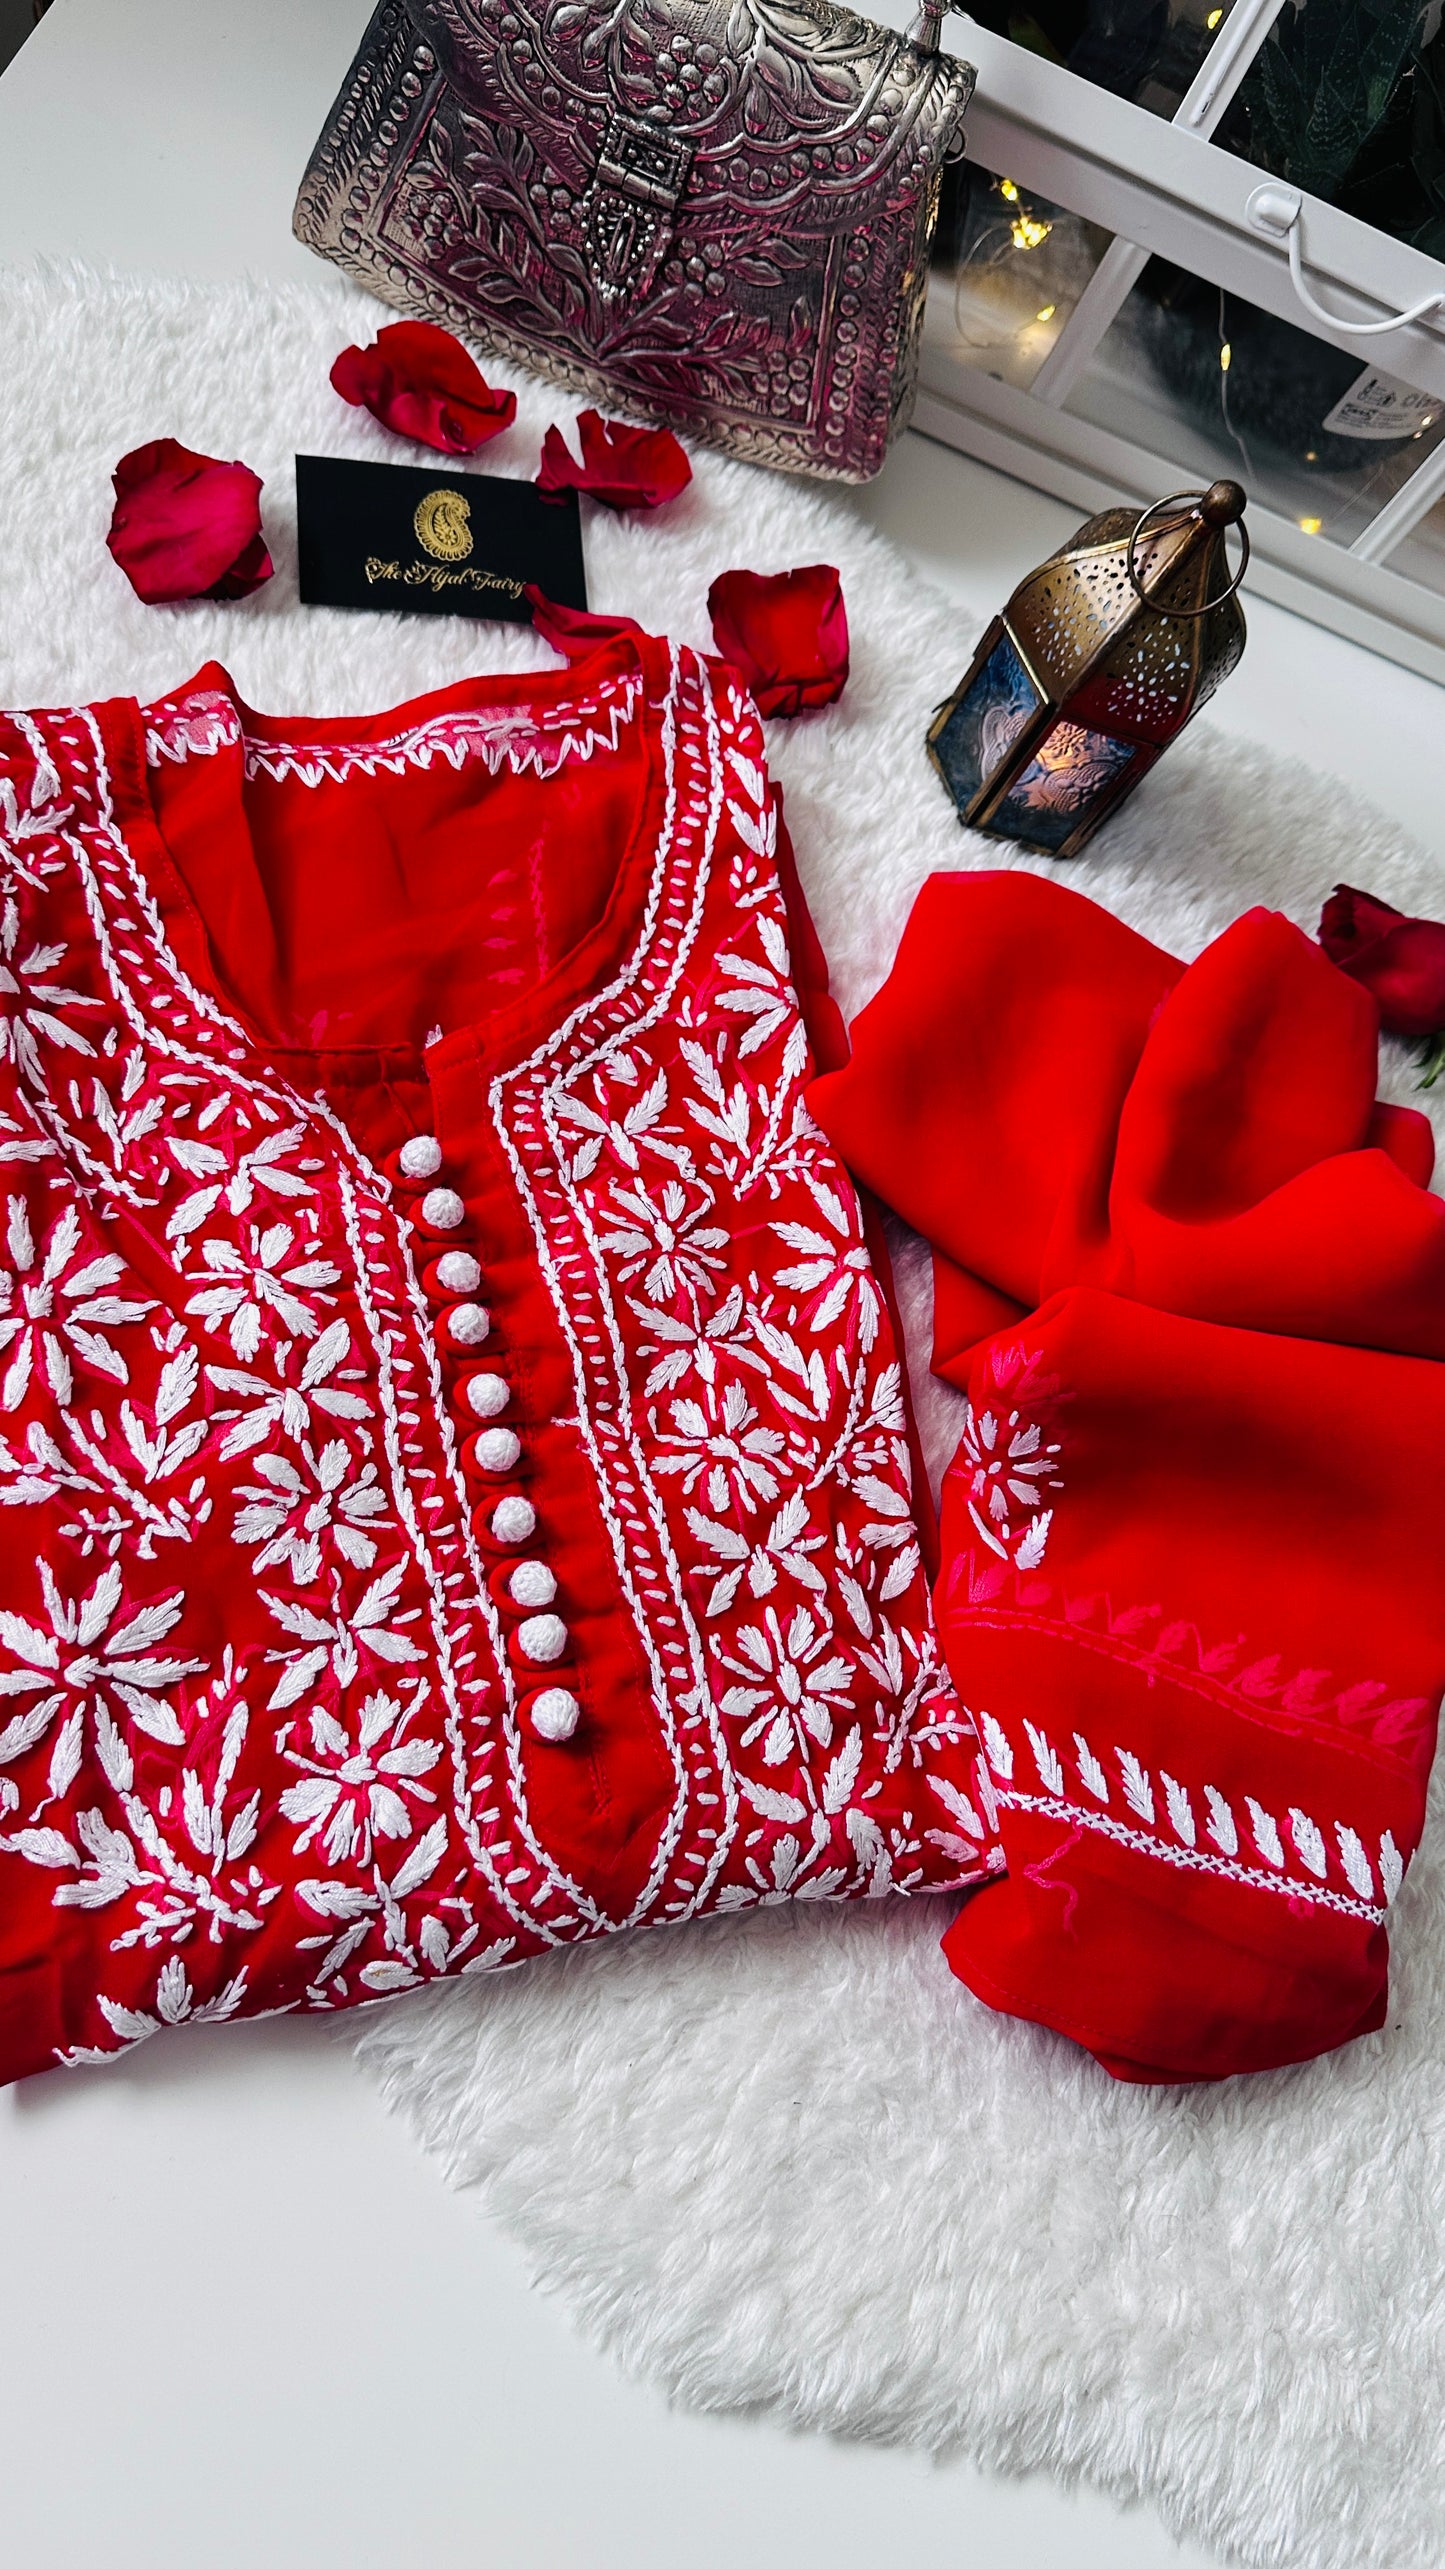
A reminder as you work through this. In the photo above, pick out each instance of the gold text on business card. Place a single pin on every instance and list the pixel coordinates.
(437, 575)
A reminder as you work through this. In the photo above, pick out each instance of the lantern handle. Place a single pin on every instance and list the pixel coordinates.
(1189, 615)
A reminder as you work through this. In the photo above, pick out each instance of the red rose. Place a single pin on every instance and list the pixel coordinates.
(1401, 961)
(186, 526)
(574, 631)
(623, 467)
(787, 636)
(419, 381)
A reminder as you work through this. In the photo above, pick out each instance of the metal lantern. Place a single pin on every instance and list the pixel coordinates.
(1101, 655)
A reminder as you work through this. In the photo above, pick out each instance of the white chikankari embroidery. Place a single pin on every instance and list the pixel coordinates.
(35, 1011)
(56, 1305)
(1196, 1827)
(257, 1286)
(786, 1549)
(260, 1170)
(94, 1654)
(355, 1789)
(175, 2004)
(1010, 1466)
(795, 1683)
(765, 987)
(196, 726)
(777, 1395)
(118, 1480)
(364, 1755)
(343, 1641)
(686, 1343)
(260, 1405)
(38, 820)
(667, 1243)
(524, 740)
(626, 1128)
(719, 1450)
(295, 1512)
(835, 1273)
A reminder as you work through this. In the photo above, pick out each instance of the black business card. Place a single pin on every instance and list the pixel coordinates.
(434, 542)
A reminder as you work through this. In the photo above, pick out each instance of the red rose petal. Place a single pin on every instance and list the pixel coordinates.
(574, 631)
(1400, 961)
(786, 635)
(1350, 919)
(186, 525)
(252, 566)
(421, 382)
(622, 467)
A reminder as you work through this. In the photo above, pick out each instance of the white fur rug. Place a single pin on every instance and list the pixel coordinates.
(789, 2162)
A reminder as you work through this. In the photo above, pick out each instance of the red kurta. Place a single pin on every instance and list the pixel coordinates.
(455, 1475)
(1193, 1539)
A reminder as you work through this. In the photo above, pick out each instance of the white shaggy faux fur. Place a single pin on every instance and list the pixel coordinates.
(789, 2161)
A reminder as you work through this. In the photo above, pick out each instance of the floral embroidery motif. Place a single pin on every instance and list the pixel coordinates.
(56, 1306)
(175, 2004)
(720, 1451)
(256, 1288)
(354, 1791)
(295, 1514)
(668, 1246)
(791, 1691)
(82, 1657)
(1009, 1460)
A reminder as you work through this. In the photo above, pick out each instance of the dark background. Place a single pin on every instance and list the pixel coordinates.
(17, 18)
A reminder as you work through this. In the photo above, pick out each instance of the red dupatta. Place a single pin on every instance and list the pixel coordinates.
(1188, 1271)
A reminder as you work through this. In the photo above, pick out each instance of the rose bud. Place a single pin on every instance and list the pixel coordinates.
(787, 636)
(187, 526)
(1401, 961)
(574, 631)
(420, 382)
(622, 467)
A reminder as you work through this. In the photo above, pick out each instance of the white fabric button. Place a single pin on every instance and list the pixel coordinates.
(487, 1395)
(458, 1272)
(555, 1713)
(468, 1323)
(421, 1156)
(443, 1208)
(497, 1449)
(542, 1637)
(531, 1584)
(514, 1520)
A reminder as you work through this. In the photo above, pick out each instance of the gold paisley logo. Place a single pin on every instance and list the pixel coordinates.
(443, 525)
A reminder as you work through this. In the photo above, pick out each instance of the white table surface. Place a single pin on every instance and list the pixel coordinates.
(242, 2319)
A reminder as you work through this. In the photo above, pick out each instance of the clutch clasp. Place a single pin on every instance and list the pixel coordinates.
(630, 205)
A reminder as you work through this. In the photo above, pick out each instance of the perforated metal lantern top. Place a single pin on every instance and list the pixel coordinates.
(1101, 655)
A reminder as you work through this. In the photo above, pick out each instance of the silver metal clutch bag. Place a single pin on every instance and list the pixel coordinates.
(715, 213)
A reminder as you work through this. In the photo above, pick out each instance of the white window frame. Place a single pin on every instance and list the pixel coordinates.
(1162, 187)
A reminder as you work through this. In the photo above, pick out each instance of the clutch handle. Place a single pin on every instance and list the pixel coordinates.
(926, 31)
